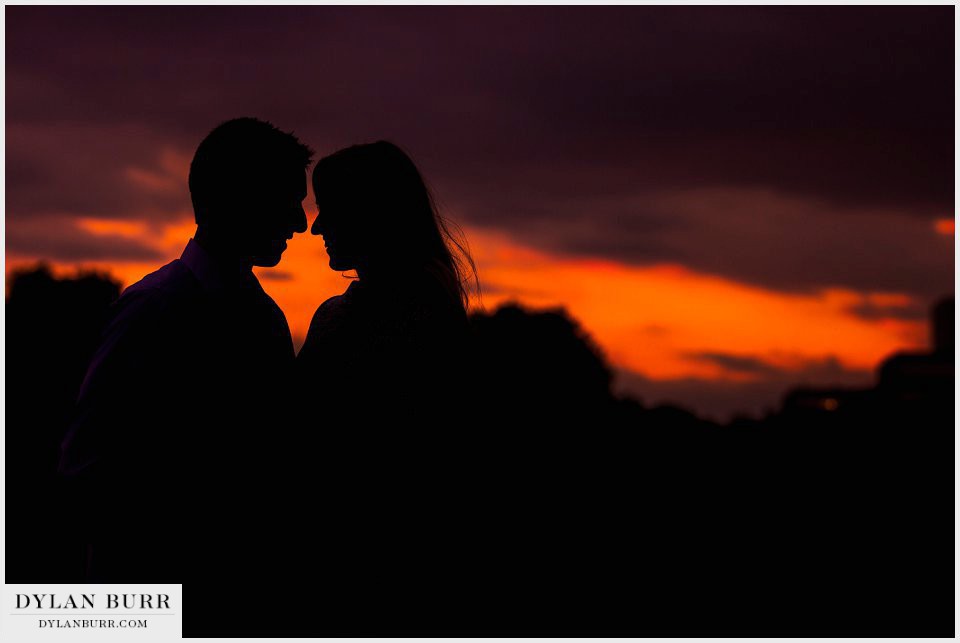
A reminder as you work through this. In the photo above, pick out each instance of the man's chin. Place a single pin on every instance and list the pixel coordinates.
(267, 260)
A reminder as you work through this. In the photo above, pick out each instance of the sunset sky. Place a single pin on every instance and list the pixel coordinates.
(731, 200)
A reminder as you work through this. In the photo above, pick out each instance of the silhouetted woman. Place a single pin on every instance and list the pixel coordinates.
(385, 373)
(394, 346)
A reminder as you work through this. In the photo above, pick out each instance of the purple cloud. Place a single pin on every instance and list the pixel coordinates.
(587, 130)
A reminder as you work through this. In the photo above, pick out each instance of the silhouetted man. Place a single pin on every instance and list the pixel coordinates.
(176, 446)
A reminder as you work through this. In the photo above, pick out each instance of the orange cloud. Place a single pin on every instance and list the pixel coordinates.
(120, 227)
(649, 319)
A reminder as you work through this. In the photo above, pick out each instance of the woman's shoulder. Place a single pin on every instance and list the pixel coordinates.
(431, 316)
(332, 311)
(328, 324)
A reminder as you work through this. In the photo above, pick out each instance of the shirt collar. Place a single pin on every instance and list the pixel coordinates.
(208, 273)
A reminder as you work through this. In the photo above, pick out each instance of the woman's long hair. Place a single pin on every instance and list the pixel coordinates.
(400, 222)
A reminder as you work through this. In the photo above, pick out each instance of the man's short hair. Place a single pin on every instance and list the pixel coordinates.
(237, 155)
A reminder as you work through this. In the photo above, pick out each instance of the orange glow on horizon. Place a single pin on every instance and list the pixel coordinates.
(652, 320)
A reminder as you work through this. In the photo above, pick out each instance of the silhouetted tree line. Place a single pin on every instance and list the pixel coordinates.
(836, 510)
(53, 326)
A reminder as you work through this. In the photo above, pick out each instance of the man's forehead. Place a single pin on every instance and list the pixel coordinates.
(290, 178)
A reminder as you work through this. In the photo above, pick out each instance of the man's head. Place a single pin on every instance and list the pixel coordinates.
(247, 184)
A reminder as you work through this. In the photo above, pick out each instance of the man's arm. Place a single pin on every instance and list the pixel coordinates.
(106, 454)
(113, 382)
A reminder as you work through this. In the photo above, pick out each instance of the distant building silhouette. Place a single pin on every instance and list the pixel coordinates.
(923, 378)
(913, 379)
(814, 401)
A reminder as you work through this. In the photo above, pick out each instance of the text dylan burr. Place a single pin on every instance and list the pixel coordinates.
(93, 601)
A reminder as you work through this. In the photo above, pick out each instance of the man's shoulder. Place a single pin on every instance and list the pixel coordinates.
(160, 290)
(170, 280)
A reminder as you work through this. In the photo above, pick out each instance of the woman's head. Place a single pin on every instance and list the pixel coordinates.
(377, 216)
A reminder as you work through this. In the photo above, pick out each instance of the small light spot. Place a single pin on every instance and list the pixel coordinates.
(830, 404)
(944, 226)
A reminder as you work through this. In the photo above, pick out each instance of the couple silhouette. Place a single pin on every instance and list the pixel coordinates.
(204, 450)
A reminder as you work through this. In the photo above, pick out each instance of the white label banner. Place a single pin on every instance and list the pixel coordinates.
(94, 613)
